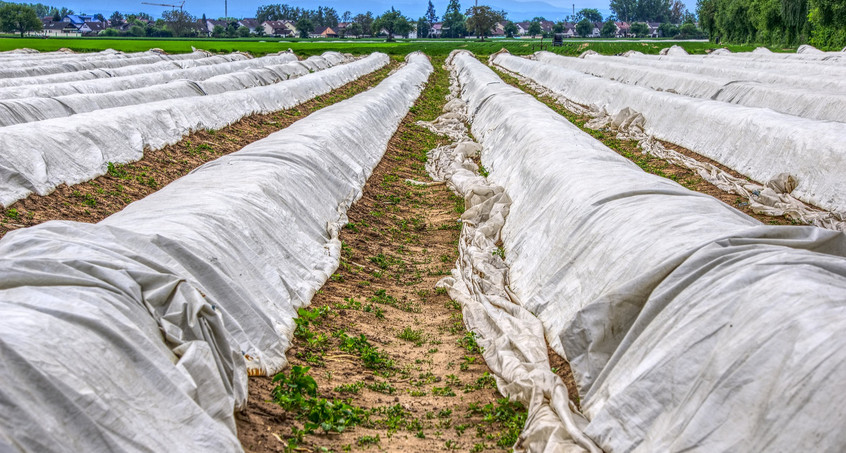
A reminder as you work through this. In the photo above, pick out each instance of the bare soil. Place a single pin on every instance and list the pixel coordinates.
(437, 394)
(95, 200)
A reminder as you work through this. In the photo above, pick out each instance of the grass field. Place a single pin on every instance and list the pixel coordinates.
(311, 47)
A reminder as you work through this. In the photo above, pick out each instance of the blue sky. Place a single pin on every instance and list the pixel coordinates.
(517, 10)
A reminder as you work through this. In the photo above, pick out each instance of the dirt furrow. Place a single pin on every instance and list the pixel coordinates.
(382, 359)
(95, 200)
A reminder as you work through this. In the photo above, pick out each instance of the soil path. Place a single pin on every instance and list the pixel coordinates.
(379, 337)
(101, 197)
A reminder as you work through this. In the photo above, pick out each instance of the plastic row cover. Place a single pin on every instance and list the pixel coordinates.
(130, 335)
(16, 111)
(19, 62)
(798, 101)
(821, 68)
(202, 60)
(73, 66)
(757, 143)
(688, 325)
(804, 52)
(143, 75)
(807, 80)
(44, 154)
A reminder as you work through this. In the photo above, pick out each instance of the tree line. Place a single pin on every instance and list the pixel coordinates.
(821, 23)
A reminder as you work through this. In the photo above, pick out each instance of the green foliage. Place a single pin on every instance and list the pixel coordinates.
(453, 21)
(608, 30)
(15, 18)
(584, 28)
(482, 19)
(370, 355)
(591, 14)
(392, 22)
(640, 29)
(297, 392)
(510, 29)
(534, 28)
(468, 342)
(304, 27)
(409, 334)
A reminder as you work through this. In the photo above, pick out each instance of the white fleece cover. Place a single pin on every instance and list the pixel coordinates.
(131, 334)
(44, 154)
(688, 325)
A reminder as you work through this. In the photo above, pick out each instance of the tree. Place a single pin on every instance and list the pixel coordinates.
(453, 21)
(624, 9)
(179, 22)
(354, 29)
(640, 29)
(346, 17)
(56, 16)
(137, 30)
(677, 10)
(423, 27)
(482, 19)
(243, 32)
(608, 30)
(584, 28)
(304, 27)
(430, 13)
(535, 28)
(558, 27)
(510, 29)
(590, 14)
(116, 18)
(667, 30)
(109, 32)
(393, 22)
(707, 11)
(365, 21)
(19, 18)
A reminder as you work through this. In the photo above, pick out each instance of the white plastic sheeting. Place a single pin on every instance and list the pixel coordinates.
(20, 62)
(38, 109)
(512, 339)
(808, 80)
(130, 335)
(44, 154)
(72, 66)
(104, 82)
(758, 143)
(822, 68)
(797, 100)
(688, 325)
(101, 73)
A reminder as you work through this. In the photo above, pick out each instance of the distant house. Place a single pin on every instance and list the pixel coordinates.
(58, 28)
(79, 19)
(437, 29)
(323, 32)
(279, 28)
(624, 29)
(252, 24)
(597, 30)
(653, 29)
(569, 30)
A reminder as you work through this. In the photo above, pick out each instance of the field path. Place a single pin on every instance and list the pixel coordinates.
(420, 384)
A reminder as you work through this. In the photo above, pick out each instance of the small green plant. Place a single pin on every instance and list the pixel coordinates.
(409, 334)
(468, 342)
(442, 391)
(12, 213)
(382, 387)
(364, 441)
(371, 356)
(116, 170)
(500, 252)
(484, 171)
(349, 388)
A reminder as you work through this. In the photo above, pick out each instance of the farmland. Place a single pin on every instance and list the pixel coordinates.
(421, 245)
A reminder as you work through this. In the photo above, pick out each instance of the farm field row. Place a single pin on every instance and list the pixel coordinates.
(316, 47)
(399, 254)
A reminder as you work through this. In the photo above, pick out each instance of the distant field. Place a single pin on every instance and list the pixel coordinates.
(311, 47)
